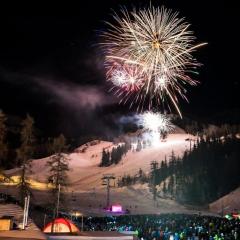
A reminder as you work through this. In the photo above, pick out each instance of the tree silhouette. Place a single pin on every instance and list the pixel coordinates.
(24, 155)
(3, 144)
(58, 168)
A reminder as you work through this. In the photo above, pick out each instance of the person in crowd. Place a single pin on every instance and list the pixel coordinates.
(169, 226)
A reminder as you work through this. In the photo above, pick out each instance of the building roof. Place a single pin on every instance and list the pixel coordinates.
(22, 234)
(15, 211)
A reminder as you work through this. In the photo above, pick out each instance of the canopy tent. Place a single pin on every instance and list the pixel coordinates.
(60, 225)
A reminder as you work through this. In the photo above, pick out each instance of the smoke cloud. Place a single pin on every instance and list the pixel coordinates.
(62, 91)
(62, 106)
(76, 96)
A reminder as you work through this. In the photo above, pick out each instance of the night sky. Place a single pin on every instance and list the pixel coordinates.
(52, 67)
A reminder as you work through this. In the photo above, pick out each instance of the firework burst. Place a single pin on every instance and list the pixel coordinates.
(156, 45)
(156, 124)
(127, 77)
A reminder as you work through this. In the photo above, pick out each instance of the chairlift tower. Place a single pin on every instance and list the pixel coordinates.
(106, 182)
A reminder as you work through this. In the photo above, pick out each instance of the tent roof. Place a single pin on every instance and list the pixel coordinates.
(71, 227)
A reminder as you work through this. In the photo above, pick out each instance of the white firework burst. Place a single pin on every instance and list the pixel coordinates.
(155, 122)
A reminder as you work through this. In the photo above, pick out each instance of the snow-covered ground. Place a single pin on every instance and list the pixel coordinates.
(85, 173)
(86, 184)
(227, 204)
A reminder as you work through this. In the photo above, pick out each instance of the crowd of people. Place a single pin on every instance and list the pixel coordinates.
(169, 226)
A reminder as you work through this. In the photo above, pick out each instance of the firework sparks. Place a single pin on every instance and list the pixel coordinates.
(161, 82)
(156, 124)
(127, 77)
(157, 43)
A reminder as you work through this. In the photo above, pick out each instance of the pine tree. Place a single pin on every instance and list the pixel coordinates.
(24, 155)
(58, 162)
(170, 187)
(154, 167)
(164, 189)
(113, 156)
(163, 135)
(58, 165)
(3, 145)
(140, 173)
(139, 146)
(118, 154)
(105, 159)
(172, 162)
